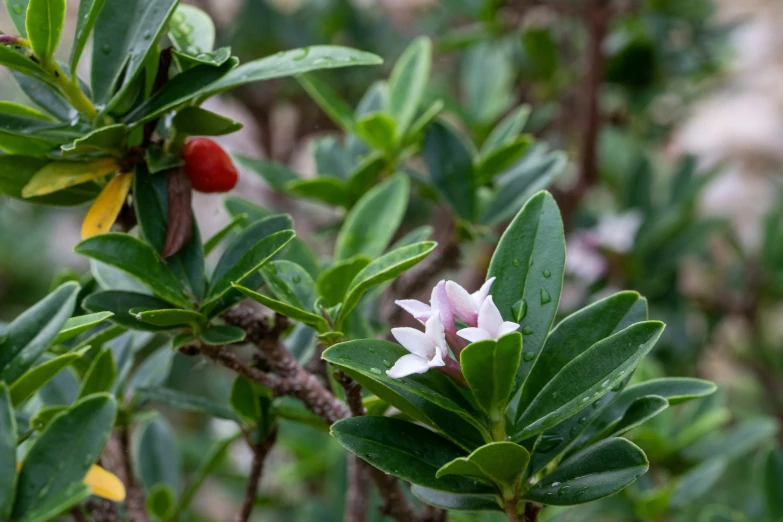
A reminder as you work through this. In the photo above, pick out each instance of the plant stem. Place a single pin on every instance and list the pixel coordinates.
(511, 511)
(72, 91)
(498, 428)
(260, 451)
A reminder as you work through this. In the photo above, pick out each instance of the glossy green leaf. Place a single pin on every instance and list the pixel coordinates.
(195, 121)
(292, 312)
(333, 282)
(328, 100)
(77, 325)
(186, 402)
(276, 174)
(8, 437)
(28, 336)
(382, 269)
(16, 171)
(110, 139)
(157, 456)
(293, 62)
(326, 189)
(137, 259)
(222, 334)
(502, 158)
(773, 483)
(45, 96)
(179, 90)
(125, 32)
(192, 30)
(372, 222)
(254, 258)
(161, 502)
(290, 283)
(601, 470)
(378, 130)
(528, 264)
(587, 378)
(158, 160)
(407, 82)
(490, 368)
(404, 450)
(17, 12)
(87, 17)
(59, 175)
(64, 452)
(188, 60)
(73, 494)
(455, 501)
(17, 109)
(501, 463)
(31, 381)
(120, 303)
(450, 165)
(245, 400)
(365, 176)
(168, 316)
(506, 131)
(100, 375)
(640, 411)
(154, 371)
(44, 24)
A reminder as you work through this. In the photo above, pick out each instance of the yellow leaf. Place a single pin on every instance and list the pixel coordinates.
(101, 482)
(104, 210)
(59, 175)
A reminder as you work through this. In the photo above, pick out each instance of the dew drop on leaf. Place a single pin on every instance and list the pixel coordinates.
(527, 330)
(547, 274)
(528, 356)
(516, 262)
(545, 297)
(18, 9)
(106, 49)
(296, 279)
(519, 310)
(376, 371)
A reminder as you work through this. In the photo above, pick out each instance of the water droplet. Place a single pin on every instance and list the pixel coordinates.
(547, 274)
(516, 262)
(605, 383)
(617, 387)
(549, 495)
(178, 18)
(555, 484)
(302, 55)
(554, 395)
(527, 330)
(18, 9)
(545, 297)
(376, 371)
(519, 310)
(563, 491)
(187, 29)
(371, 350)
(106, 49)
(582, 420)
(575, 431)
(296, 279)
(585, 399)
(387, 363)
(147, 35)
(528, 356)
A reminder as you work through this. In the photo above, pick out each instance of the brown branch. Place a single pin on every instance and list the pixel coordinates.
(358, 491)
(531, 512)
(118, 450)
(260, 451)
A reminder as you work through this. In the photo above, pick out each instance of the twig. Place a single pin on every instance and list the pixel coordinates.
(531, 512)
(260, 451)
(357, 495)
(119, 449)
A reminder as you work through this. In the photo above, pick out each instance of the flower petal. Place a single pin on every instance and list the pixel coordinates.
(482, 293)
(462, 303)
(420, 311)
(440, 301)
(104, 484)
(414, 341)
(408, 365)
(435, 333)
(474, 334)
(489, 317)
(506, 328)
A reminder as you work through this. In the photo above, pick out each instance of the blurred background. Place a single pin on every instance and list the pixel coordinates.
(671, 116)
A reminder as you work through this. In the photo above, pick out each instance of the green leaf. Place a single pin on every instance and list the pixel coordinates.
(276, 174)
(502, 158)
(293, 62)
(120, 303)
(245, 400)
(110, 139)
(188, 60)
(192, 30)
(773, 483)
(168, 316)
(333, 282)
(372, 222)
(450, 165)
(254, 258)
(33, 380)
(158, 160)
(139, 260)
(507, 130)
(378, 130)
(365, 176)
(454, 501)
(404, 450)
(87, 17)
(292, 312)
(210, 462)
(599, 471)
(75, 493)
(28, 336)
(77, 325)
(45, 416)
(44, 23)
(329, 101)
(326, 189)
(157, 456)
(290, 283)
(698, 481)
(640, 411)
(501, 463)
(16, 171)
(195, 121)
(383, 269)
(17, 109)
(161, 502)
(222, 334)
(487, 79)
(179, 90)
(587, 378)
(186, 402)
(125, 32)
(423, 121)
(101, 374)
(236, 222)
(64, 452)
(407, 82)
(17, 11)
(153, 371)
(528, 264)
(59, 175)
(490, 368)
(8, 437)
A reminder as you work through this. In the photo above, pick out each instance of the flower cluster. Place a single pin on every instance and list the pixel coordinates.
(449, 302)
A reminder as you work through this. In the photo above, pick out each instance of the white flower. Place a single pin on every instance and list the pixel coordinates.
(428, 348)
(490, 324)
(464, 305)
(422, 311)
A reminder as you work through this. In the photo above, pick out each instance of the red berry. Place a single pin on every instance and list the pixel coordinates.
(208, 166)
